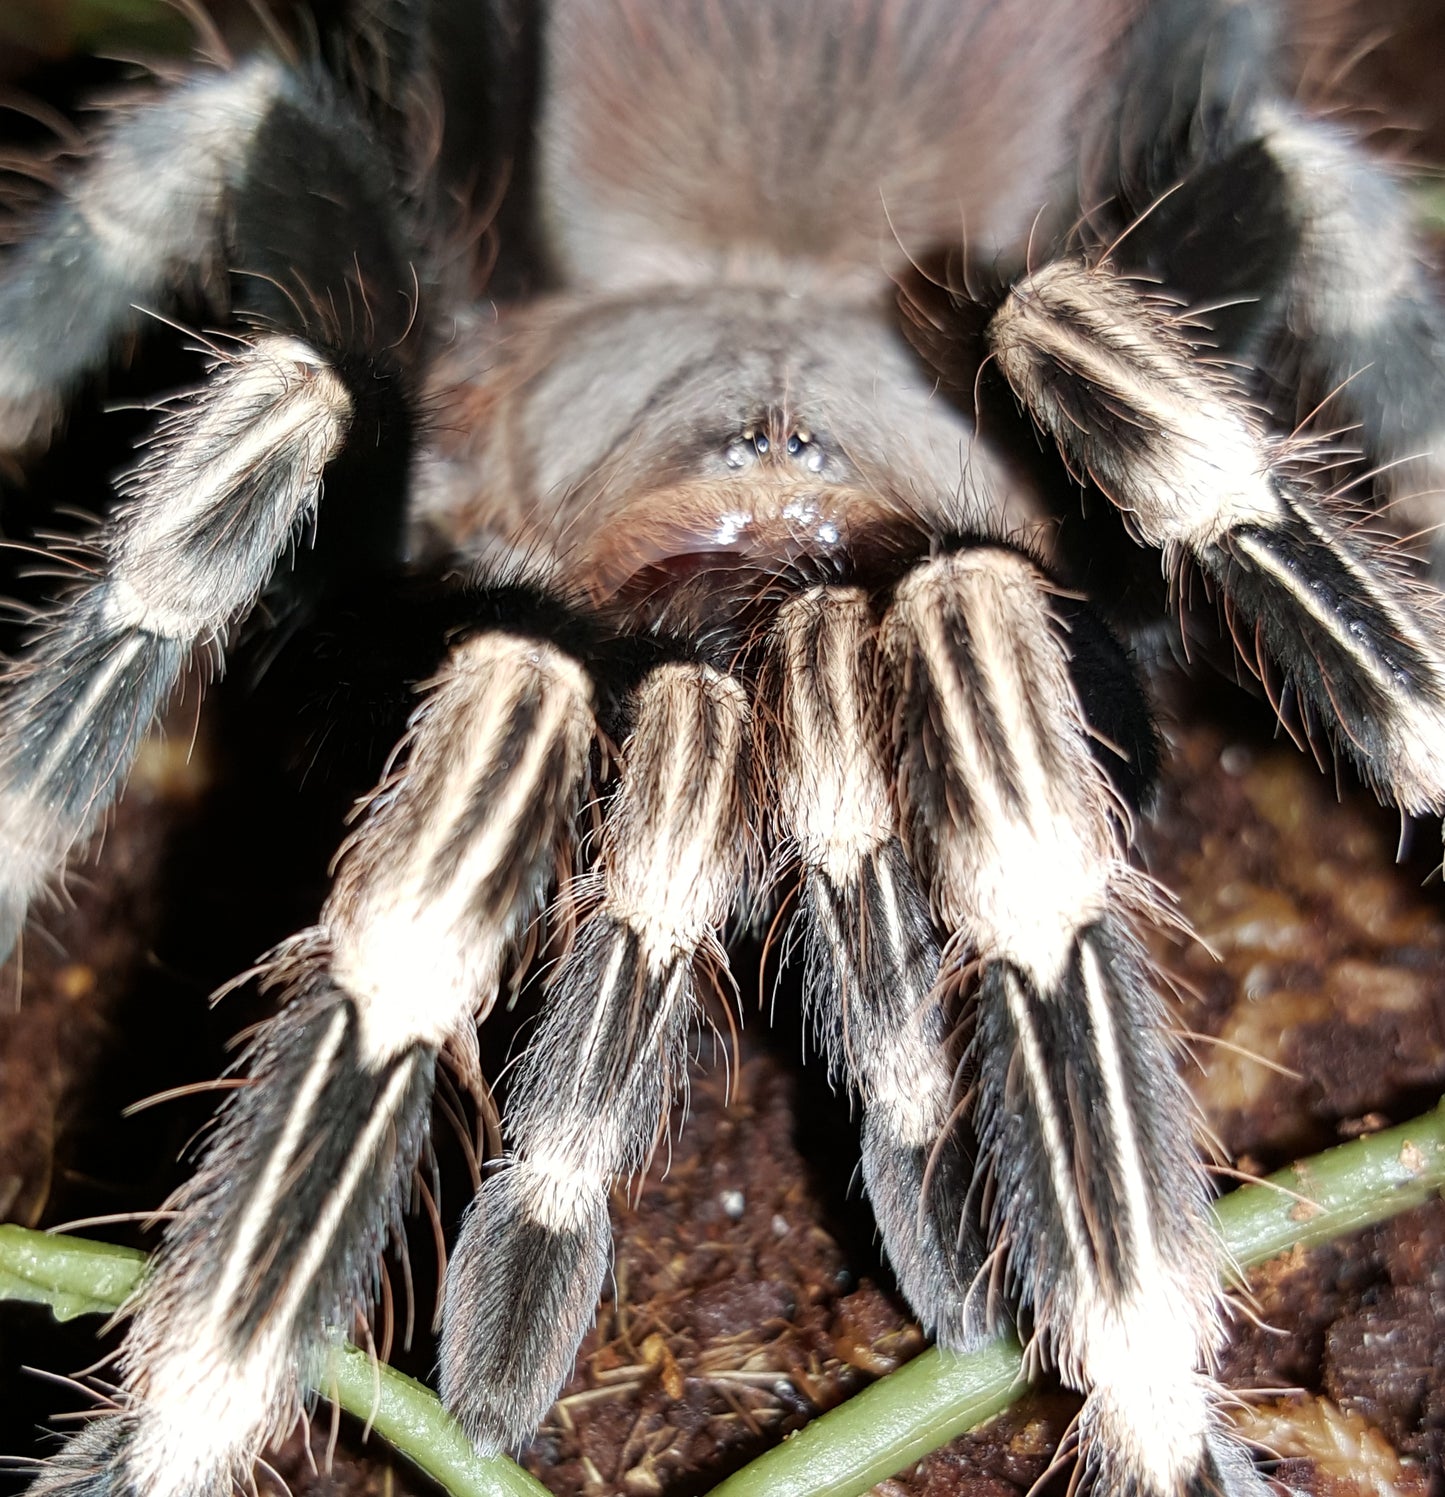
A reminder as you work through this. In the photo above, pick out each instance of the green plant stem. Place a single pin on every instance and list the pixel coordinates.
(407, 1414)
(1429, 198)
(76, 1277)
(887, 1427)
(904, 1416)
(1339, 1191)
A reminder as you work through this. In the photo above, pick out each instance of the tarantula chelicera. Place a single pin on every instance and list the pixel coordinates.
(726, 498)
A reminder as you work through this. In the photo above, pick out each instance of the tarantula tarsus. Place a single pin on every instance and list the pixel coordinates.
(721, 497)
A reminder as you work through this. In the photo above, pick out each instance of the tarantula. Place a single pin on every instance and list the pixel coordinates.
(725, 498)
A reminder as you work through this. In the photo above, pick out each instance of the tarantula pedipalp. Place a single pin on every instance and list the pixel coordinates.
(709, 501)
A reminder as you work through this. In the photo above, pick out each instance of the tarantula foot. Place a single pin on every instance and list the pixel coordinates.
(521, 1291)
(1116, 1463)
(89, 1465)
(919, 1196)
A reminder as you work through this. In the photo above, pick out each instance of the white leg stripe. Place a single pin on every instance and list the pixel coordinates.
(262, 1206)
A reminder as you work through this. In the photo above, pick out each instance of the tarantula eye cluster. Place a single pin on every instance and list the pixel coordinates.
(756, 441)
(720, 493)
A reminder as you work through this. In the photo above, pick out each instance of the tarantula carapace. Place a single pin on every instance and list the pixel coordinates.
(725, 498)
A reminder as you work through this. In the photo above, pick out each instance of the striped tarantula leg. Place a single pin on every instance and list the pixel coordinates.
(129, 231)
(872, 957)
(226, 167)
(235, 473)
(1305, 247)
(1362, 313)
(211, 181)
(1107, 371)
(593, 1088)
(1083, 1123)
(276, 1245)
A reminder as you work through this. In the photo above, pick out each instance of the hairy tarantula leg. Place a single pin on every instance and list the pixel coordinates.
(1083, 1123)
(267, 174)
(1360, 305)
(872, 957)
(1107, 371)
(277, 1242)
(1304, 247)
(146, 216)
(234, 475)
(594, 1085)
(236, 470)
